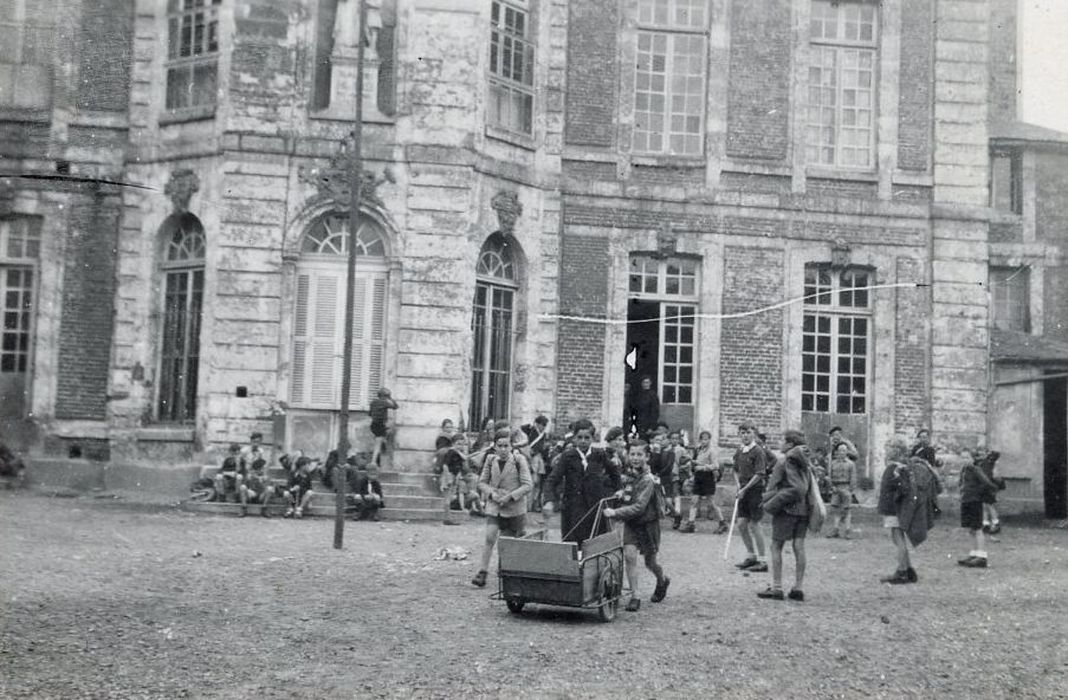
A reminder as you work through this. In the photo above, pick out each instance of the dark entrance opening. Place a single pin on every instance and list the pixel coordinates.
(643, 350)
(1055, 447)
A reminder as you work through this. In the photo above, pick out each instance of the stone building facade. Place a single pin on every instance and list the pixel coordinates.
(563, 197)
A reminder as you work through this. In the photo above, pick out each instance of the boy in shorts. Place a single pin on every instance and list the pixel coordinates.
(680, 472)
(786, 498)
(506, 482)
(843, 475)
(975, 485)
(641, 525)
(230, 475)
(255, 487)
(750, 462)
(705, 476)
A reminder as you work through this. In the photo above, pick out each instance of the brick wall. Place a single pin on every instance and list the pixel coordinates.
(587, 170)
(751, 347)
(1051, 223)
(911, 193)
(661, 175)
(86, 320)
(914, 97)
(580, 363)
(593, 27)
(910, 350)
(262, 65)
(842, 188)
(1002, 60)
(758, 100)
(104, 41)
(747, 182)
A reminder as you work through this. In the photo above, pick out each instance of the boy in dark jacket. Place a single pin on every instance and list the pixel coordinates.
(786, 498)
(366, 493)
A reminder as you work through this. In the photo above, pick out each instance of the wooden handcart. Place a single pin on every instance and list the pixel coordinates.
(533, 570)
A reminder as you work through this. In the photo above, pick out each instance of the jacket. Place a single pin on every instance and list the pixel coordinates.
(359, 488)
(909, 492)
(642, 507)
(787, 488)
(513, 477)
(578, 489)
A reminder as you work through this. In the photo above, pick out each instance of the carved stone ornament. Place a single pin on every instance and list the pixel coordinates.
(181, 187)
(7, 197)
(666, 241)
(840, 254)
(508, 209)
(332, 179)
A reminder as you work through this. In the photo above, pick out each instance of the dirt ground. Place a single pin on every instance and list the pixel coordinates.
(100, 601)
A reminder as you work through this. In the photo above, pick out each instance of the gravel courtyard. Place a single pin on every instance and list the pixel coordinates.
(106, 601)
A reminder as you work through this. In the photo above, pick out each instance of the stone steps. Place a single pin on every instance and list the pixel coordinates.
(317, 509)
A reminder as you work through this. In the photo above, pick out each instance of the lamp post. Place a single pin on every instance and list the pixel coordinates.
(355, 181)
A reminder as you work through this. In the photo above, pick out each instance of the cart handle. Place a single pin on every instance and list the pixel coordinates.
(597, 519)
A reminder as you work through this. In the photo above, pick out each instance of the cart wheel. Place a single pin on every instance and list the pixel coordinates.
(515, 606)
(609, 596)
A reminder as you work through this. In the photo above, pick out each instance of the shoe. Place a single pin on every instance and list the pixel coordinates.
(689, 527)
(974, 562)
(986, 528)
(676, 522)
(796, 594)
(771, 594)
(721, 529)
(661, 590)
(995, 528)
(898, 578)
(847, 535)
(759, 567)
(479, 579)
(375, 518)
(633, 605)
(832, 534)
(298, 513)
(966, 561)
(911, 573)
(265, 513)
(449, 522)
(289, 513)
(243, 513)
(749, 561)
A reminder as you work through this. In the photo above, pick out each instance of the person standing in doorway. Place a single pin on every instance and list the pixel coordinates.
(646, 408)
(750, 464)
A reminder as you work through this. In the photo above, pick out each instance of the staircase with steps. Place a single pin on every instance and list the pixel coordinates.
(408, 496)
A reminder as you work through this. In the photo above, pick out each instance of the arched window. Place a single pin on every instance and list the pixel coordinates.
(319, 314)
(183, 292)
(491, 326)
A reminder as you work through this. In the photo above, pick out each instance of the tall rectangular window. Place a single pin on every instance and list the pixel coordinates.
(1006, 182)
(669, 81)
(27, 52)
(1010, 289)
(836, 347)
(192, 53)
(843, 54)
(511, 78)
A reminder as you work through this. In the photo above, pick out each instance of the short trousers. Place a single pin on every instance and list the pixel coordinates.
(704, 483)
(842, 498)
(891, 521)
(669, 488)
(749, 504)
(378, 429)
(510, 526)
(644, 536)
(971, 515)
(786, 527)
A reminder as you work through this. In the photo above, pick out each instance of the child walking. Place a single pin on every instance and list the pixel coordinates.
(750, 461)
(786, 498)
(975, 487)
(505, 481)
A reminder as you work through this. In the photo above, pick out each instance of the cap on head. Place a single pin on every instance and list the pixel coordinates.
(383, 393)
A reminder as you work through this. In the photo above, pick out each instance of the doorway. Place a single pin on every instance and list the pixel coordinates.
(1055, 447)
(643, 351)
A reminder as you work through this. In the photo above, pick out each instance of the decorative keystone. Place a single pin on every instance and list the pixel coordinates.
(666, 241)
(508, 209)
(332, 179)
(181, 187)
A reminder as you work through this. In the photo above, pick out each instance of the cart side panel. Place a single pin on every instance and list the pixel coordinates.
(602, 543)
(537, 557)
(516, 585)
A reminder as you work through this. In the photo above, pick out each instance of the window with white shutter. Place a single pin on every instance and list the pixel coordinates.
(319, 316)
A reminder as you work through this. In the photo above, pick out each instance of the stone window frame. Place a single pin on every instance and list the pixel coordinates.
(498, 270)
(1015, 181)
(183, 242)
(178, 13)
(841, 45)
(23, 259)
(827, 297)
(645, 24)
(494, 129)
(1010, 297)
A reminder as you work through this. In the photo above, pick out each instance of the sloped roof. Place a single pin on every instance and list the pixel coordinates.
(1014, 346)
(1018, 133)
